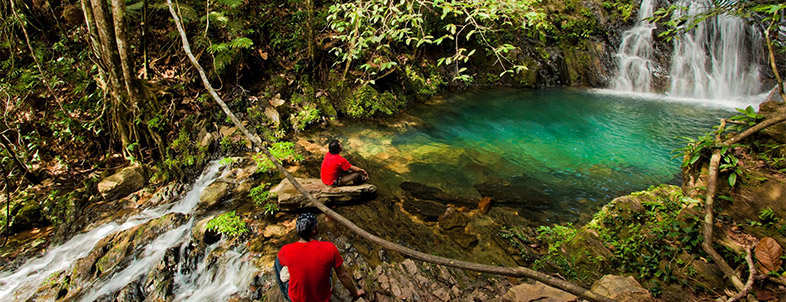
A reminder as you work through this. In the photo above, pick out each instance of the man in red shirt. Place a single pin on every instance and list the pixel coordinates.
(308, 264)
(337, 171)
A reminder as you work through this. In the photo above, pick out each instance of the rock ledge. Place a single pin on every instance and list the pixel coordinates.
(289, 198)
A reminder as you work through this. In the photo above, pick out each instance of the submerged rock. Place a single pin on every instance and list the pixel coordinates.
(426, 210)
(452, 219)
(425, 192)
(289, 198)
(122, 183)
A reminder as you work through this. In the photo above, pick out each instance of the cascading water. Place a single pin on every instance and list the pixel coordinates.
(715, 60)
(214, 279)
(20, 284)
(635, 55)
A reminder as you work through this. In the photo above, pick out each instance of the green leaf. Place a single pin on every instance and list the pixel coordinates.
(241, 42)
(732, 179)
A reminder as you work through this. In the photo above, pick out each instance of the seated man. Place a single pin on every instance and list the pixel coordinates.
(303, 268)
(337, 171)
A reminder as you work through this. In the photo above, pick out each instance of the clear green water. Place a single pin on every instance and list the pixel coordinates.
(554, 156)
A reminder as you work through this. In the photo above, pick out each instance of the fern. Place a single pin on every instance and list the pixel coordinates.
(241, 42)
(231, 3)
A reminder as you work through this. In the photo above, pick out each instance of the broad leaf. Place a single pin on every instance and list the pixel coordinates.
(768, 252)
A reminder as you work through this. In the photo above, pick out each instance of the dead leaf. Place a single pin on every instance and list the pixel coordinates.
(769, 252)
(764, 295)
(262, 54)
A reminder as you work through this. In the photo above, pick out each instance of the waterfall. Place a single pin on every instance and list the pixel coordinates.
(20, 284)
(717, 59)
(636, 52)
(713, 60)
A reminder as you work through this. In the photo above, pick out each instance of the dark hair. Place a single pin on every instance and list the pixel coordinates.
(305, 225)
(334, 146)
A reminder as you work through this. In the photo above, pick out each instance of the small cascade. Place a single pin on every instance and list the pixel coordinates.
(714, 59)
(151, 256)
(636, 52)
(21, 283)
(215, 278)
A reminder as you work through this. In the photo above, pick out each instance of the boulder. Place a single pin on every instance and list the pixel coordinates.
(213, 195)
(429, 210)
(537, 292)
(122, 183)
(289, 198)
(274, 231)
(202, 235)
(452, 219)
(622, 289)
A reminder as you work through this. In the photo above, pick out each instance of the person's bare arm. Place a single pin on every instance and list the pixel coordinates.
(354, 168)
(346, 280)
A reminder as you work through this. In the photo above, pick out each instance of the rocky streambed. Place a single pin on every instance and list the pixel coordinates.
(155, 246)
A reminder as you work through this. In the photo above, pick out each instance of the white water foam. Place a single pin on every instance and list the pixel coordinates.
(215, 279)
(21, 283)
(151, 256)
(728, 104)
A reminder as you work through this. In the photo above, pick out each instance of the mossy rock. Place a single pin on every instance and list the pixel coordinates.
(28, 216)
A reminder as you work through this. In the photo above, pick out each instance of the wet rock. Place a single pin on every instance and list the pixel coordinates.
(428, 210)
(214, 194)
(421, 191)
(274, 231)
(537, 292)
(621, 288)
(463, 239)
(484, 205)
(202, 235)
(122, 183)
(113, 253)
(289, 198)
(452, 219)
(159, 283)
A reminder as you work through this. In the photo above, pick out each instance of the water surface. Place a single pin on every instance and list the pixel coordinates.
(554, 156)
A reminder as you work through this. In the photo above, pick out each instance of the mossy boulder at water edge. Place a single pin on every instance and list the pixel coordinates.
(653, 235)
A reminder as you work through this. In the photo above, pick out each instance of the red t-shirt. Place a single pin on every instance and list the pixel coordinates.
(310, 266)
(332, 166)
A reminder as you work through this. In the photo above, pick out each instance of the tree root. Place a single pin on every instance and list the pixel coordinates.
(712, 184)
(506, 271)
(751, 277)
